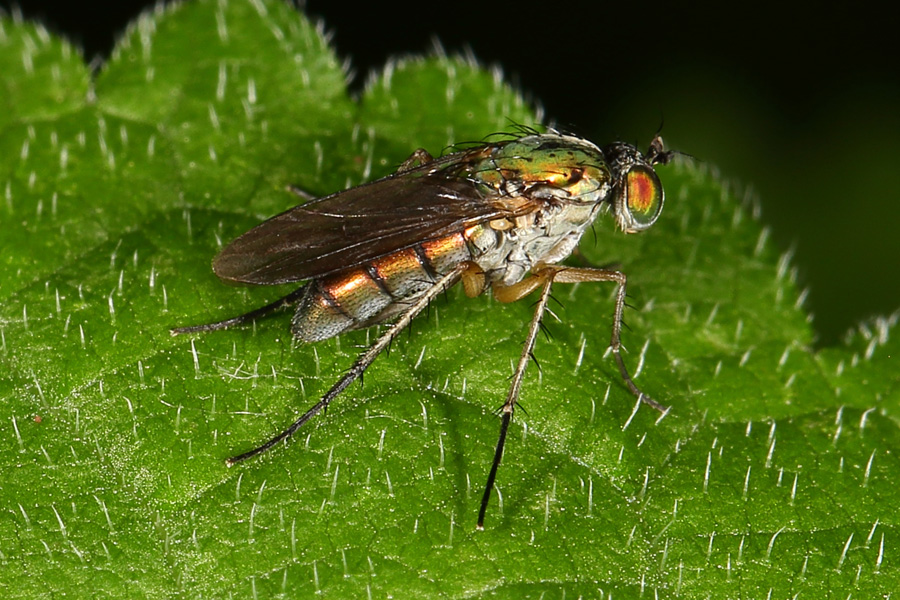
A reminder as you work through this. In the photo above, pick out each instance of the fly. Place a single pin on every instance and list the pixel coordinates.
(499, 216)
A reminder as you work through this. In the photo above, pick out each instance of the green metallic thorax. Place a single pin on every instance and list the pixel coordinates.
(562, 167)
(558, 183)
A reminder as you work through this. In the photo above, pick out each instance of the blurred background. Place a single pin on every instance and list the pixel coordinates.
(802, 105)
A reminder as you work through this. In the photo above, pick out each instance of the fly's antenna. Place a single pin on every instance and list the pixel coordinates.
(657, 153)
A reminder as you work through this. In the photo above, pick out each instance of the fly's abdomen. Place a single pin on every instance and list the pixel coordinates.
(372, 293)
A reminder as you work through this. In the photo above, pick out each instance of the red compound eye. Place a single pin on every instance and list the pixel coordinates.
(643, 196)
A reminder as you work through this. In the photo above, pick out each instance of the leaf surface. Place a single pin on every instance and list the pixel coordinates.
(772, 475)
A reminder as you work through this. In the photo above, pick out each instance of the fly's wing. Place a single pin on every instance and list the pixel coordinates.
(354, 227)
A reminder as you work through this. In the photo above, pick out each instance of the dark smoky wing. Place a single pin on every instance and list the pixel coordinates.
(353, 227)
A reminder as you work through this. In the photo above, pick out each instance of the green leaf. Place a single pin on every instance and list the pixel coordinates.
(771, 476)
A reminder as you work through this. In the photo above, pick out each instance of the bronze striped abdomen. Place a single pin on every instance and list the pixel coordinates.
(373, 293)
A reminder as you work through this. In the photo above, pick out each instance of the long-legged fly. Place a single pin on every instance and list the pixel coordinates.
(499, 216)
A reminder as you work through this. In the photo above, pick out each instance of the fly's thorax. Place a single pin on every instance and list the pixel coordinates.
(551, 186)
(372, 293)
(548, 166)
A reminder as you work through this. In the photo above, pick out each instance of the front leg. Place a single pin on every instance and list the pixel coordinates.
(541, 275)
(579, 275)
(544, 277)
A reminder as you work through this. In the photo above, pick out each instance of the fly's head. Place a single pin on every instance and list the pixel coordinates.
(637, 195)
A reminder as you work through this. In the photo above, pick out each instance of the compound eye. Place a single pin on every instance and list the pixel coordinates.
(643, 197)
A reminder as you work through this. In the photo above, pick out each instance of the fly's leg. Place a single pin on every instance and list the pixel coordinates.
(362, 362)
(578, 275)
(575, 275)
(545, 277)
(416, 159)
(506, 411)
(258, 313)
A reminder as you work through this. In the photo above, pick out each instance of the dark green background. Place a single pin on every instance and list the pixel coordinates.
(797, 106)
